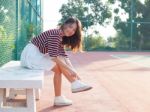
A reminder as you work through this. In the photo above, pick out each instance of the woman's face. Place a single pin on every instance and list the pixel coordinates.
(69, 29)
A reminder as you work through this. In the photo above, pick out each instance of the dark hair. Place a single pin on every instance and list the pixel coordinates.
(75, 41)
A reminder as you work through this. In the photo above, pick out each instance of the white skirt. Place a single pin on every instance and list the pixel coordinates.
(32, 58)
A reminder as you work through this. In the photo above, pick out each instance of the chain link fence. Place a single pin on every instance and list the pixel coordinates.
(19, 21)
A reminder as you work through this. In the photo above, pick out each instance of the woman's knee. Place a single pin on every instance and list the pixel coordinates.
(56, 69)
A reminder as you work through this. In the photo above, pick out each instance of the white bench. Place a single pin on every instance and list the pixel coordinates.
(13, 76)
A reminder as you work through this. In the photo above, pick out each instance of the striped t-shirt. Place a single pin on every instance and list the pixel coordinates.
(50, 42)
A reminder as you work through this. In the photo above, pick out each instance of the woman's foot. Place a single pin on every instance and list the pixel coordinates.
(62, 101)
(78, 86)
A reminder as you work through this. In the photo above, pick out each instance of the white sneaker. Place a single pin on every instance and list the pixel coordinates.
(78, 86)
(62, 101)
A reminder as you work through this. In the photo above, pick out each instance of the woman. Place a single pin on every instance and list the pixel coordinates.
(46, 51)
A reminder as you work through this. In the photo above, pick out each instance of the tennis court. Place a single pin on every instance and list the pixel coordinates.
(121, 82)
(142, 60)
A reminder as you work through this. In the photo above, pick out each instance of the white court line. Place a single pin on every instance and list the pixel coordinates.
(127, 60)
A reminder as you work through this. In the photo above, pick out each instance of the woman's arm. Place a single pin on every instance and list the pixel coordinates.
(66, 64)
(59, 61)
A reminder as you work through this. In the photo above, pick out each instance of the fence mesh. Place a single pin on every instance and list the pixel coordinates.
(19, 21)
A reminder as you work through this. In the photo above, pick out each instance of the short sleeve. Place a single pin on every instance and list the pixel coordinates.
(53, 46)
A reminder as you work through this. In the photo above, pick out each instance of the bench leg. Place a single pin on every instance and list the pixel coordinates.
(37, 94)
(30, 102)
(1, 97)
(12, 93)
(7, 92)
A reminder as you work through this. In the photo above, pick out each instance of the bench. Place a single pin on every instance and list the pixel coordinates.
(13, 76)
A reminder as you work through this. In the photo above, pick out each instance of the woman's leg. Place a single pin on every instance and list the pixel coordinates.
(59, 100)
(76, 86)
(69, 77)
(57, 80)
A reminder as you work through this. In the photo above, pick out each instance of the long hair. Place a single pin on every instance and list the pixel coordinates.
(75, 41)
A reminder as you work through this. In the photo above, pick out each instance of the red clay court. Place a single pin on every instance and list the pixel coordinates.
(120, 80)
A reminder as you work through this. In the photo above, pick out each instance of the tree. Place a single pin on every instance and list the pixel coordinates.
(90, 12)
(139, 17)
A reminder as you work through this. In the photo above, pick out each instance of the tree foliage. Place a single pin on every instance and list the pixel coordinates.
(90, 12)
(140, 16)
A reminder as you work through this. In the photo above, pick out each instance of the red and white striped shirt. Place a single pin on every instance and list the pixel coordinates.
(50, 42)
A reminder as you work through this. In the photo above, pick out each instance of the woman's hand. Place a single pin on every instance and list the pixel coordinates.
(72, 69)
(66, 64)
(74, 73)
